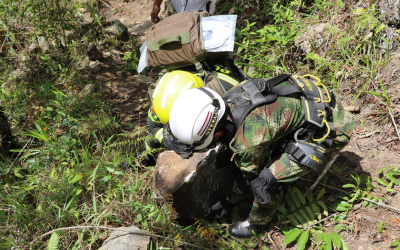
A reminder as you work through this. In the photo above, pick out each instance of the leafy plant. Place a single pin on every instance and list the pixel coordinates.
(388, 180)
(303, 215)
(132, 58)
(53, 242)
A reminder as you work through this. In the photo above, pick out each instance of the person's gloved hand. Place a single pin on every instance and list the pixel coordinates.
(222, 208)
(154, 14)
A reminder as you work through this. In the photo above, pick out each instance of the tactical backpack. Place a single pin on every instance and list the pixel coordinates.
(177, 41)
(317, 103)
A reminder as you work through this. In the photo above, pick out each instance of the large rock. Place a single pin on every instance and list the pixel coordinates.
(390, 9)
(195, 183)
(120, 240)
(118, 30)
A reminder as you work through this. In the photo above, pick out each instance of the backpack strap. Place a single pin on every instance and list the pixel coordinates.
(257, 92)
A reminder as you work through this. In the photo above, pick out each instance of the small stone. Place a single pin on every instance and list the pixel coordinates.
(118, 30)
(142, 79)
(101, 78)
(43, 44)
(33, 47)
(87, 90)
(93, 53)
(140, 28)
(87, 18)
(82, 10)
(94, 67)
(23, 57)
(106, 54)
(109, 75)
(85, 62)
(120, 240)
(115, 51)
(338, 74)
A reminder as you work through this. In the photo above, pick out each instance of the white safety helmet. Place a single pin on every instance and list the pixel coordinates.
(194, 116)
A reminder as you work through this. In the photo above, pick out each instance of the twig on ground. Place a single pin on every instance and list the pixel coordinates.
(310, 226)
(367, 135)
(272, 241)
(8, 171)
(395, 153)
(328, 166)
(394, 123)
(108, 228)
(377, 203)
(380, 204)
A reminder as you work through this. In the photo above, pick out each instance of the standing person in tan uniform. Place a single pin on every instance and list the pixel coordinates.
(177, 6)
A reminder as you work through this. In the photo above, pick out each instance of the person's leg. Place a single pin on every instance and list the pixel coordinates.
(169, 8)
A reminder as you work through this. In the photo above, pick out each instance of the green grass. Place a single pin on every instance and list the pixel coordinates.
(71, 165)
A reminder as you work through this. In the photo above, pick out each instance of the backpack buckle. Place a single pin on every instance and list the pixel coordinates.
(267, 89)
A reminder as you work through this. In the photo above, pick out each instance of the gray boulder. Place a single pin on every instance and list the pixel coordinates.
(120, 240)
(118, 30)
(195, 183)
(391, 11)
(140, 28)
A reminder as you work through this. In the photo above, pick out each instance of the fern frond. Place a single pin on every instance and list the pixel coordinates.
(53, 242)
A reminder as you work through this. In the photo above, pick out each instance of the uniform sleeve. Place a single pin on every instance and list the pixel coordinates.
(153, 122)
(155, 128)
(263, 129)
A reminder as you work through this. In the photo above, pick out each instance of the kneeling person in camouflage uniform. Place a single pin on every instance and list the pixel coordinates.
(278, 130)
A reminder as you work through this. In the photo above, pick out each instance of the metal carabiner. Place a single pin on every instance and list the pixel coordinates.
(299, 132)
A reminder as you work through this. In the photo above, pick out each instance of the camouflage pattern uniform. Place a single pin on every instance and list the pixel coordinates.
(264, 128)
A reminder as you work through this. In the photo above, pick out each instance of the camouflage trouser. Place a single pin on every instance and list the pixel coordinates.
(169, 8)
(286, 171)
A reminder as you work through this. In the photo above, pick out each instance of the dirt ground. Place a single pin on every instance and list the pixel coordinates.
(374, 145)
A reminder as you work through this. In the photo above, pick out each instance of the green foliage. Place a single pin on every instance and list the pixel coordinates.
(303, 218)
(132, 58)
(265, 48)
(389, 180)
(53, 242)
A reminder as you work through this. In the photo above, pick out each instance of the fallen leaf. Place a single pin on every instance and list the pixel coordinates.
(397, 151)
(347, 67)
(395, 221)
(386, 238)
(344, 222)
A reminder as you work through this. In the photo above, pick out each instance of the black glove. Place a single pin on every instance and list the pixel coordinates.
(222, 208)
(261, 185)
(145, 159)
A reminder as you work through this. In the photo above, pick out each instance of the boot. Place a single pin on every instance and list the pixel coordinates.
(244, 229)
